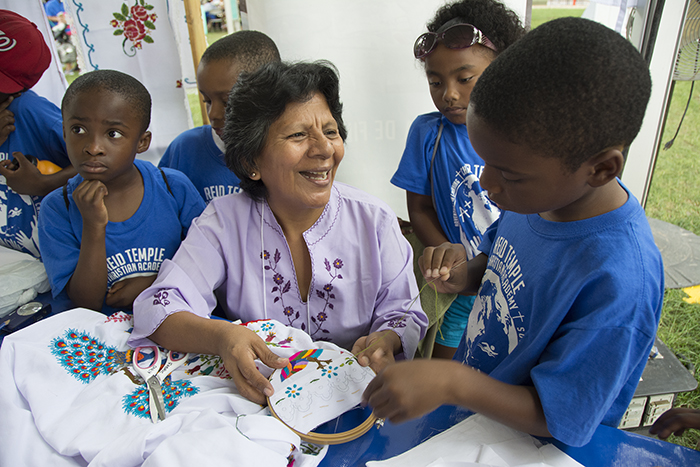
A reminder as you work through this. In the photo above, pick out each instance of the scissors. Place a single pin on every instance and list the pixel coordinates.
(147, 363)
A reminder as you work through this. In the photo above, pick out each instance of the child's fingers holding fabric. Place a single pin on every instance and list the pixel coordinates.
(89, 197)
(444, 267)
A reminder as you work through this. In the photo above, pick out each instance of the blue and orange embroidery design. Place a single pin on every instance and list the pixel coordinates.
(85, 358)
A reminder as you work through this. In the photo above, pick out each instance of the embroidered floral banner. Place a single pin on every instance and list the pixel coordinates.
(147, 39)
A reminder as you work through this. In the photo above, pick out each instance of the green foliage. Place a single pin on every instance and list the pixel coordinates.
(542, 15)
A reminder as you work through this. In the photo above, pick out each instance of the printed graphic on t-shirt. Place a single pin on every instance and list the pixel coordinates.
(18, 220)
(472, 211)
(215, 191)
(496, 323)
(134, 261)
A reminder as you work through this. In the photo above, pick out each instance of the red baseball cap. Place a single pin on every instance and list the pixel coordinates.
(24, 55)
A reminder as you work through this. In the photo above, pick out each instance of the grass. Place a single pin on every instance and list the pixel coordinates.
(674, 197)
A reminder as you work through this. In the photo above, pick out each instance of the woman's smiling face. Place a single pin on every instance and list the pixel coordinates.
(301, 156)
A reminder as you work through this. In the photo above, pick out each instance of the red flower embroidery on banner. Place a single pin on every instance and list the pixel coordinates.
(135, 24)
(139, 12)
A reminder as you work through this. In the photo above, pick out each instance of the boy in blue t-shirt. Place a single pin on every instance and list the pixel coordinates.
(199, 152)
(570, 283)
(439, 168)
(104, 236)
(30, 125)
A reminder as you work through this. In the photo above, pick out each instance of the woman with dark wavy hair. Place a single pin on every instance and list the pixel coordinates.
(296, 246)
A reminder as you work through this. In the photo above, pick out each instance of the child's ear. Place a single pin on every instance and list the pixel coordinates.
(605, 166)
(144, 142)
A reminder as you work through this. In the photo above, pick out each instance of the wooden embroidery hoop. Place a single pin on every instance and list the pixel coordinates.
(332, 438)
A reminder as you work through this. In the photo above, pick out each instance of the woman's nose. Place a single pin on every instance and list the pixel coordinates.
(322, 146)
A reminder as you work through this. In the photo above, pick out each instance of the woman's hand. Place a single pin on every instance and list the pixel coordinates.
(123, 293)
(239, 350)
(377, 350)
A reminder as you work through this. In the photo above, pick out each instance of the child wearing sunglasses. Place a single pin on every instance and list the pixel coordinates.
(569, 282)
(439, 168)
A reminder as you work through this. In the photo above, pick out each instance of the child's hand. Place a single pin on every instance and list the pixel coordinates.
(409, 389)
(89, 197)
(381, 347)
(123, 293)
(445, 267)
(7, 120)
(675, 421)
(239, 351)
(24, 179)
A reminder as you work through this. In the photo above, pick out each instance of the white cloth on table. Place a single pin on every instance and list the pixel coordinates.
(61, 413)
(480, 441)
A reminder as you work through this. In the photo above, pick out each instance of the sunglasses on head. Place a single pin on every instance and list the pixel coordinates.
(459, 36)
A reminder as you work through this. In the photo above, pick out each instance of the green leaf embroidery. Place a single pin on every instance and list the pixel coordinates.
(118, 32)
(125, 9)
(148, 39)
(119, 17)
(149, 25)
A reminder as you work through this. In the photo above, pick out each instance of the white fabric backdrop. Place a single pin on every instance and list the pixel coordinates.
(154, 59)
(382, 86)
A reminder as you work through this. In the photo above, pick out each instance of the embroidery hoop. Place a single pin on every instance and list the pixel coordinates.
(327, 438)
(333, 438)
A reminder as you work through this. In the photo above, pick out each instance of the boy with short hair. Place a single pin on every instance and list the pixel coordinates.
(105, 234)
(570, 282)
(30, 125)
(199, 152)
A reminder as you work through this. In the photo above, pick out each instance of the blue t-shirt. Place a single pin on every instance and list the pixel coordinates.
(571, 308)
(39, 132)
(135, 247)
(462, 206)
(54, 8)
(195, 154)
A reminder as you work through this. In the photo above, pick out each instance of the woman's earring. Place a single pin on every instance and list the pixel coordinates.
(252, 175)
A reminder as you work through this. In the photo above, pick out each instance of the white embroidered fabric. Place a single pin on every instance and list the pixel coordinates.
(68, 397)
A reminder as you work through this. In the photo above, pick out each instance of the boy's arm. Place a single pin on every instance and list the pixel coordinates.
(411, 389)
(88, 284)
(424, 219)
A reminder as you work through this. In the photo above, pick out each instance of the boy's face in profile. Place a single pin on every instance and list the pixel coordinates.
(103, 134)
(521, 180)
(214, 81)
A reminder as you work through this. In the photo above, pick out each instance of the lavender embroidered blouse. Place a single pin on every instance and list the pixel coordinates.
(362, 272)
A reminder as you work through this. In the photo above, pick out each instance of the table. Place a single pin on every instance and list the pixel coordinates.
(609, 446)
